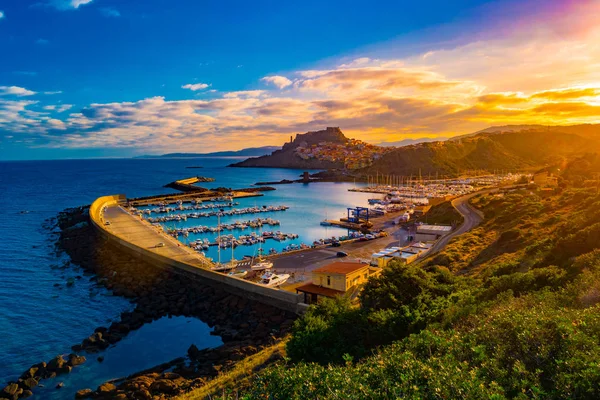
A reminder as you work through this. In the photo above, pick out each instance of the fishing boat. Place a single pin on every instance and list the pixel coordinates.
(239, 274)
(271, 279)
(262, 265)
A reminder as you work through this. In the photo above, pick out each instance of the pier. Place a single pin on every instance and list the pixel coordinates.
(150, 243)
(173, 198)
(188, 184)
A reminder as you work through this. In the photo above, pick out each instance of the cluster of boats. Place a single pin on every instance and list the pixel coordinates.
(241, 225)
(220, 213)
(228, 241)
(181, 207)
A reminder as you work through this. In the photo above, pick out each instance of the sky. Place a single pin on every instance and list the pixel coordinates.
(108, 78)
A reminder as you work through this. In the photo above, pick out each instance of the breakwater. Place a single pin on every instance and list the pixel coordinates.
(245, 326)
(140, 239)
(189, 184)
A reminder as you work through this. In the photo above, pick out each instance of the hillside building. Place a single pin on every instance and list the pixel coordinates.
(336, 279)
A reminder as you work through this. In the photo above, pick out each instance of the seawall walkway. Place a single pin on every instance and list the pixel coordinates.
(142, 239)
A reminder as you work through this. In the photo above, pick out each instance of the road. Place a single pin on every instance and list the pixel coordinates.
(472, 217)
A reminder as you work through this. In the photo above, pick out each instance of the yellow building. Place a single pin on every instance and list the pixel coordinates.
(336, 279)
(545, 179)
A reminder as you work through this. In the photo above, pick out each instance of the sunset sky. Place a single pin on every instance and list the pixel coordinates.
(107, 78)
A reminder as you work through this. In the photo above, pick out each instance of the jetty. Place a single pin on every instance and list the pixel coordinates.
(188, 184)
(151, 243)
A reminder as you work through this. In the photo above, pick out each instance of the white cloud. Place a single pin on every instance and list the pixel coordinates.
(277, 80)
(64, 107)
(54, 92)
(110, 12)
(15, 91)
(63, 5)
(195, 86)
(1, 14)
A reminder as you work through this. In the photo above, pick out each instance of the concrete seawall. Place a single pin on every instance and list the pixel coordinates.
(189, 265)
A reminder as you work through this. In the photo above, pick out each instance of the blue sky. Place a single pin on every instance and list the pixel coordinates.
(79, 77)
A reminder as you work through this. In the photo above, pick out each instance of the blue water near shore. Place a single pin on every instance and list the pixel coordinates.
(39, 320)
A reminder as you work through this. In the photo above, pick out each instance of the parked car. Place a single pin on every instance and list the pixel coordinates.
(335, 244)
(161, 244)
(342, 254)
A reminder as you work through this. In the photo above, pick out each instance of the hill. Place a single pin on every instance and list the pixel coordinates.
(249, 152)
(326, 149)
(288, 157)
(508, 310)
(495, 150)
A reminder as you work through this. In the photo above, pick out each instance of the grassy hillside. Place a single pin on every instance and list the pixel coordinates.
(509, 310)
(486, 151)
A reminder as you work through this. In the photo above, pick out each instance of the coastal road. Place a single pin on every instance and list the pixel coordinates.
(472, 217)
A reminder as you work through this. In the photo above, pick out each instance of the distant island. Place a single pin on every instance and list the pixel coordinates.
(249, 152)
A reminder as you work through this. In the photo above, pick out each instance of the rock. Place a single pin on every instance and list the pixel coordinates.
(56, 364)
(142, 394)
(193, 352)
(66, 369)
(29, 383)
(106, 388)
(164, 386)
(11, 390)
(83, 393)
(74, 359)
(26, 393)
(100, 359)
(60, 385)
(30, 373)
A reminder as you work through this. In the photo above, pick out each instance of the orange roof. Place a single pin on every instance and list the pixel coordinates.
(341, 268)
(320, 290)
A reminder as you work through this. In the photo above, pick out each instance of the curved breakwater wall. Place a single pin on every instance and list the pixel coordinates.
(278, 298)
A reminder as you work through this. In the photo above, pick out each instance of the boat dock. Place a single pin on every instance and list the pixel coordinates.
(208, 195)
(345, 224)
(188, 184)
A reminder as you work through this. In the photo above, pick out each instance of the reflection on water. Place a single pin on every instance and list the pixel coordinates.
(155, 343)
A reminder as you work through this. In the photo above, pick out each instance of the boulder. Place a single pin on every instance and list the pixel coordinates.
(74, 359)
(11, 390)
(60, 385)
(164, 386)
(26, 393)
(193, 352)
(106, 388)
(56, 364)
(84, 394)
(29, 383)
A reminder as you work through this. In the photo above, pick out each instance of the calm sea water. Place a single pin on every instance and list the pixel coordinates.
(39, 320)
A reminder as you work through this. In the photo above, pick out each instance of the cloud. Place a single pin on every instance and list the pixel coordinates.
(15, 91)
(66, 4)
(1, 14)
(195, 86)
(58, 108)
(536, 74)
(279, 81)
(54, 92)
(110, 12)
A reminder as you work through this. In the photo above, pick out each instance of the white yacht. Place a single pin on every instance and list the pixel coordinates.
(271, 279)
(262, 265)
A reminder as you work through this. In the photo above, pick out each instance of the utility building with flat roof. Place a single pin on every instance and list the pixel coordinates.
(336, 279)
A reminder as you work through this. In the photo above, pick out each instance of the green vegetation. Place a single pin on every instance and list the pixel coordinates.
(442, 214)
(489, 151)
(509, 310)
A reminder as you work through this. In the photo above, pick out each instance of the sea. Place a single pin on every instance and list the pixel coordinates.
(39, 320)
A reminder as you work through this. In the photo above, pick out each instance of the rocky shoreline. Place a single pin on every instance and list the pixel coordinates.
(245, 326)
